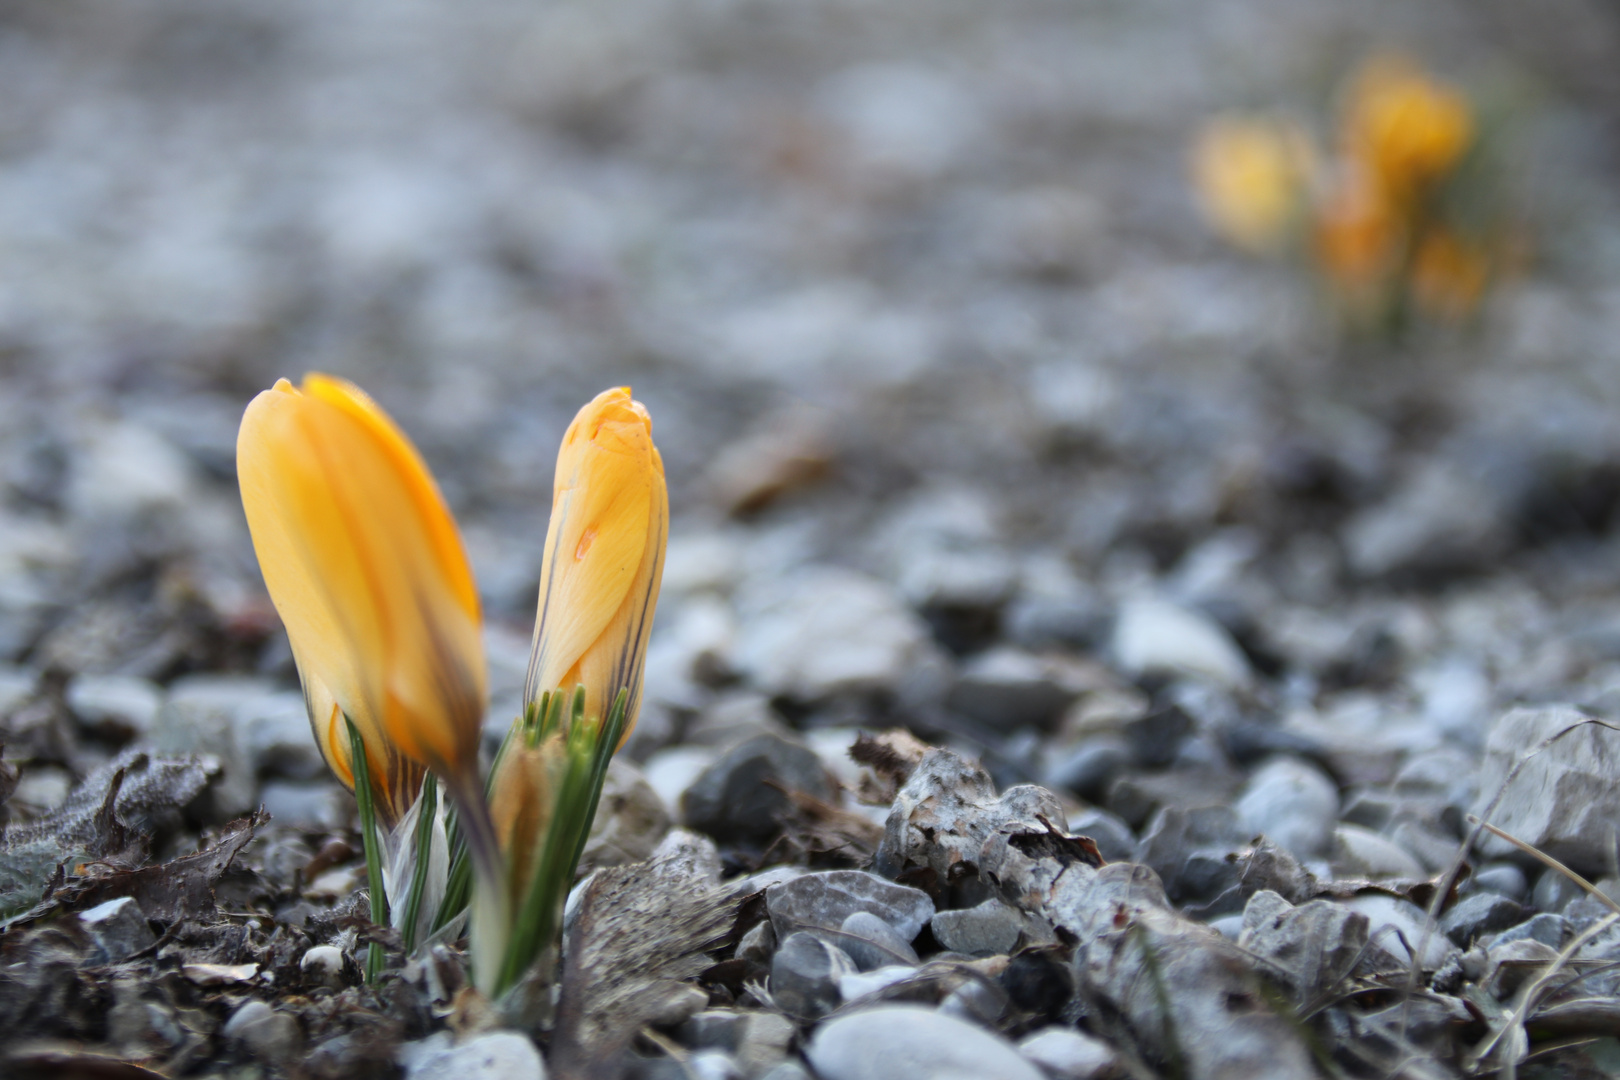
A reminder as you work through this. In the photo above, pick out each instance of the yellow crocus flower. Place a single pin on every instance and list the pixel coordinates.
(1252, 177)
(604, 557)
(366, 568)
(1409, 129)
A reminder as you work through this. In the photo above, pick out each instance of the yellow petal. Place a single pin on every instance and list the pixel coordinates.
(1408, 128)
(366, 568)
(1252, 176)
(604, 557)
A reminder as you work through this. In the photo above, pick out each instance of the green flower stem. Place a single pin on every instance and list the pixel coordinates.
(426, 812)
(588, 748)
(491, 914)
(458, 883)
(372, 845)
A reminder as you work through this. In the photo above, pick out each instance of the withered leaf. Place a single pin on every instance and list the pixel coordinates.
(641, 931)
(181, 888)
(108, 816)
(1057, 844)
(891, 755)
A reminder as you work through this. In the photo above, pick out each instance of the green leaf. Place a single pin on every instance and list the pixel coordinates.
(424, 850)
(587, 747)
(373, 847)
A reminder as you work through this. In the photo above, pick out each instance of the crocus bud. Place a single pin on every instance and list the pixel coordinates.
(604, 558)
(521, 803)
(366, 568)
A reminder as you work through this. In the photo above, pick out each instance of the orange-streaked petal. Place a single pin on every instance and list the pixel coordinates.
(604, 556)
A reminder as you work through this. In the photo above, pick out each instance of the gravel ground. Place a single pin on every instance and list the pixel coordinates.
(1210, 626)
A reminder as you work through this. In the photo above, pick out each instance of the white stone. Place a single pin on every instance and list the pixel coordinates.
(1158, 636)
(323, 964)
(16, 686)
(42, 787)
(107, 911)
(1361, 852)
(891, 1041)
(1294, 804)
(1067, 1054)
(495, 1055)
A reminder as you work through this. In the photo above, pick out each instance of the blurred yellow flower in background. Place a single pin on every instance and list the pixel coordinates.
(1252, 177)
(366, 568)
(1377, 218)
(1409, 130)
(604, 558)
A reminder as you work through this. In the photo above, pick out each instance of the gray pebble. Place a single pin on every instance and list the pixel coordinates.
(309, 804)
(1553, 892)
(742, 795)
(711, 1029)
(1008, 688)
(758, 943)
(805, 973)
(201, 716)
(763, 1041)
(987, 930)
(873, 943)
(1547, 928)
(788, 1070)
(120, 705)
(1562, 798)
(824, 900)
(118, 928)
(265, 1033)
(851, 987)
(1504, 879)
(1088, 768)
(1479, 914)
